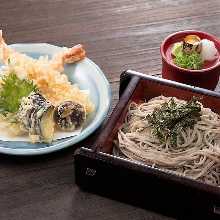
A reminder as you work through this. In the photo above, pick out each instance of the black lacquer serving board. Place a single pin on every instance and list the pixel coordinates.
(98, 170)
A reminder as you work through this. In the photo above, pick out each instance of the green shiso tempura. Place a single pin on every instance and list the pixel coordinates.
(11, 92)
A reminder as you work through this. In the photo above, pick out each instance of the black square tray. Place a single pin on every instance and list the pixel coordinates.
(98, 170)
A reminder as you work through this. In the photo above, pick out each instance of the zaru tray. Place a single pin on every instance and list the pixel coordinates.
(98, 170)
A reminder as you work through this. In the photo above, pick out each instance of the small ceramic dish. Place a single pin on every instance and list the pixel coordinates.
(205, 78)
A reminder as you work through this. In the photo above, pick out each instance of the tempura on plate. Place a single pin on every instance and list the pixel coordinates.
(32, 91)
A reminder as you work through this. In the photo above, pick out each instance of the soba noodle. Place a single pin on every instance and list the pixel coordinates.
(196, 154)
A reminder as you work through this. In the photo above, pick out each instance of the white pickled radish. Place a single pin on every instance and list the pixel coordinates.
(209, 51)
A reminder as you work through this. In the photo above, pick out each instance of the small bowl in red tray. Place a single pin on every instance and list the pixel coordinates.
(207, 77)
(99, 170)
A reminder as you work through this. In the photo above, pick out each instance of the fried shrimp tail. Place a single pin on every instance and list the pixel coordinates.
(70, 55)
(74, 54)
(5, 51)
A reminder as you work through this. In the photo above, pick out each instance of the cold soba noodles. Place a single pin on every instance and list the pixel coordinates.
(175, 135)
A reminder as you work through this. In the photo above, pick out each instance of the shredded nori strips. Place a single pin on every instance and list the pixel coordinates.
(171, 118)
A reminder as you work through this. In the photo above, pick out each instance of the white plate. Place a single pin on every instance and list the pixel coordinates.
(89, 77)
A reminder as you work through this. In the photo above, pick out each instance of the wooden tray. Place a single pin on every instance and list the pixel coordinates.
(99, 171)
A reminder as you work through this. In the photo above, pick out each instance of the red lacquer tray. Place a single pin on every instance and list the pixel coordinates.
(99, 171)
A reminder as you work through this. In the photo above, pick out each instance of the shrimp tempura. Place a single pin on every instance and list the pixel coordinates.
(47, 74)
